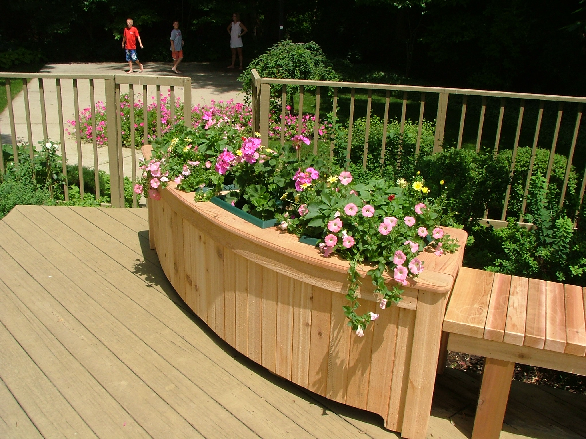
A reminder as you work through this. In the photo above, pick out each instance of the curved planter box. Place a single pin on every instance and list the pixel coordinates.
(279, 302)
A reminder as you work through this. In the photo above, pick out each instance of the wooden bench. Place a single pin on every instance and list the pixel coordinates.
(508, 320)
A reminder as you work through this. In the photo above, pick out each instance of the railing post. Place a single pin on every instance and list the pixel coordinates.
(255, 101)
(440, 121)
(111, 113)
(187, 102)
(265, 98)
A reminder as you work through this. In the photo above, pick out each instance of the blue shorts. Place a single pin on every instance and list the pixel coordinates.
(131, 55)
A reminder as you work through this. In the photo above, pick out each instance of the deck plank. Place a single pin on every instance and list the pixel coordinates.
(120, 265)
(263, 405)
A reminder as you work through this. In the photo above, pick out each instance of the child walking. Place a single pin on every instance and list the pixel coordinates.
(129, 43)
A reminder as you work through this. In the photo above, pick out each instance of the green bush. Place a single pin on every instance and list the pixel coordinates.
(288, 60)
(19, 187)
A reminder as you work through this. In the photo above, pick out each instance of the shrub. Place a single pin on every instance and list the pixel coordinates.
(288, 60)
(19, 187)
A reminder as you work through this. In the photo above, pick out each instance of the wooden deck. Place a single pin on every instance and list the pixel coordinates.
(95, 342)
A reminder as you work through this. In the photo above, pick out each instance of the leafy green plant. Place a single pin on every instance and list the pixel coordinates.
(288, 60)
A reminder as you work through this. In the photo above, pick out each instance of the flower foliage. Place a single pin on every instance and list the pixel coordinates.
(383, 226)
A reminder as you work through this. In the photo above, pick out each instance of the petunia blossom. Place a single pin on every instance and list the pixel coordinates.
(399, 258)
(302, 210)
(155, 183)
(400, 274)
(345, 178)
(419, 208)
(351, 209)
(422, 231)
(383, 303)
(373, 316)
(416, 266)
(348, 241)
(138, 188)
(331, 240)
(438, 233)
(154, 194)
(414, 246)
(335, 225)
(384, 228)
(391, 220)
(368, 211)
(409, 220)
(360, 331)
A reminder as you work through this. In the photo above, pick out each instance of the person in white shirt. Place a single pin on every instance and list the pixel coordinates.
(236, 30)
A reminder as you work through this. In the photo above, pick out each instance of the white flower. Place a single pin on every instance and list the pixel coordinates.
(283, 225)
(360, 331)
(48, 145)
(373, 316)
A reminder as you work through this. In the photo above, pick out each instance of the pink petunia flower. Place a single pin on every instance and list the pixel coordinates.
(331, 240)
(335, 225)
(399, 257)
(400, 274)
(348, 241)
(208, 164)
(303, 209)
(409, 220)
(138, 188)
(384, 228)
(368, 211)
(345, 178)
(416, 266)
(391, 221)
(154, 194)
(312, 173)
(414, 246)
(439, 250)
(419, 208)
(373, 316)
(383, 303)
(422, 231)
(178, 179)
(186, 170)
(155, 183)
(351, 209)
(438, 233)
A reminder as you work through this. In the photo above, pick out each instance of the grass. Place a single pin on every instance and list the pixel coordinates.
(15, 88)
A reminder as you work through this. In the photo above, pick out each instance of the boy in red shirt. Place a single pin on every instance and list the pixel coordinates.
(129, 43)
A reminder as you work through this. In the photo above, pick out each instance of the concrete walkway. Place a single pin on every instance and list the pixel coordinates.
(210, 82)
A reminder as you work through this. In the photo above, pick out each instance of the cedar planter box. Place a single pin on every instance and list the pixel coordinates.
(279, 302)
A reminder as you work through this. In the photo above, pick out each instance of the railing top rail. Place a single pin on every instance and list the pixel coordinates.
(119, 78)
(415, 88)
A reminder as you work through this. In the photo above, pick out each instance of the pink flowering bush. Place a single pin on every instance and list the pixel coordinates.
(380, 225)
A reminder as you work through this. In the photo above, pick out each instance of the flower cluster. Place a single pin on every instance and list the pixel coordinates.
(383, 226)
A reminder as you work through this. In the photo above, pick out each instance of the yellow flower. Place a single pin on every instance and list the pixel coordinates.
(418, 186)
(297, 198)
(283, 196)
(442, 182)
(187, 139)
(332, 179)
(174, 141)
(238, 152)
(269, 151)
(401, 182)
(425, 190)
(418, 172)
(256, 134)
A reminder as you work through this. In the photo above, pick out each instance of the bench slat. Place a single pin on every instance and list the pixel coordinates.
(469, 303)
(497, 308)
(555, 317)
(575, 321)
(517, 313)
(535, 325)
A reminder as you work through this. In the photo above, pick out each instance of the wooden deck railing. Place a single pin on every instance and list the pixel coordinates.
(47, 113)
(448, 107)
(464, 118)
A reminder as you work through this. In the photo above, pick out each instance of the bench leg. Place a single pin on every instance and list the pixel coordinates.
(492, 403)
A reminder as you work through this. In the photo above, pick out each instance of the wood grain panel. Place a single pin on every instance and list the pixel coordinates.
(535, 325)
(269, 319)
(191, 292)
(340, 334)
(517, 311)
(469, 303)
(241, 296)
(301, 334)
(555, 320)
(215, 259)
(359, 362)
(383, 360)
(255, 283)
(201, 274)
(497, 308)
(320, 340)
(575, 321)
(284, 326)
(229, 297)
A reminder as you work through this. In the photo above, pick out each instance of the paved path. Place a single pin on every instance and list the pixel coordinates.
(210, 82)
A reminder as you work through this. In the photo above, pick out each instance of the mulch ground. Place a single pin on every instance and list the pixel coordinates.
(527, 374)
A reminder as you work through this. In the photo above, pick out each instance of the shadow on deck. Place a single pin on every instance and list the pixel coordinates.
(95, 342)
